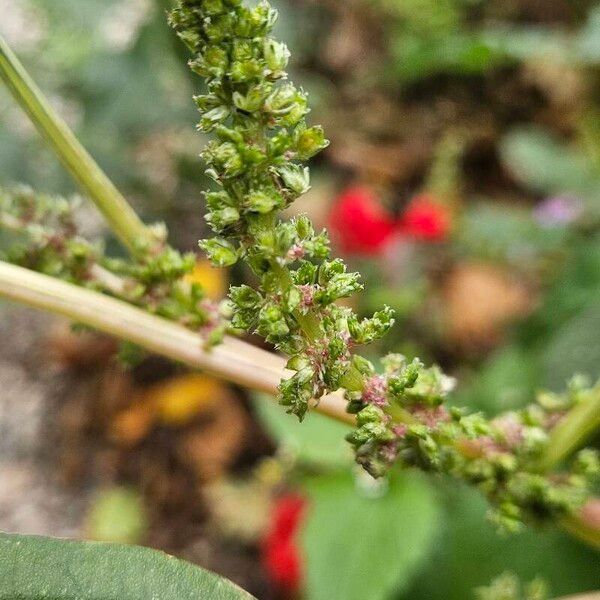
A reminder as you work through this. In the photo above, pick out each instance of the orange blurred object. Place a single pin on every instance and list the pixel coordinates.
(172, 402)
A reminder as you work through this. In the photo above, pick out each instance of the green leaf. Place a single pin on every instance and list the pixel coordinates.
(358, 546)
(317, 439)
(38, 568)
(470, 553)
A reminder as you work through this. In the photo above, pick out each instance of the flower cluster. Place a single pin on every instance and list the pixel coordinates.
(256, 162)
(401, 418)
(46, 239)
(45, 234)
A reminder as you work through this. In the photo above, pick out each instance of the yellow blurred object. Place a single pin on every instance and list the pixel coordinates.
(240, 508)
(172, 402)
(212, 280)
(270, 471)
(178, 400)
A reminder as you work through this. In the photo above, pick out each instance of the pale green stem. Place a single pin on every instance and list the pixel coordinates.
(585, 524)
(122, 219)
(233, 360)
(573, 429)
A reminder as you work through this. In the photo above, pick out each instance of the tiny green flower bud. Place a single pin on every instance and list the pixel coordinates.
(218, 28)
(587, 462)
(276, 56)
(245, 297)
(272, 324)
(284, 99)
(252, 100)
(339, 286)
(309, 142)
(226, 157)
(192, 40)
(296, 392)
(243, 49)
(370, 414)
(248, 70)
(369, 330)
(405, 379)
(362, 365)
(304, 228)
(218, 200)
(293, 298)
(210, 119)
(206, 102)
(306, 273)
(262, 201)
(213, 7)
(216, 60)
(220, 252)
(220, 219)
(295, 178)
(298, 362)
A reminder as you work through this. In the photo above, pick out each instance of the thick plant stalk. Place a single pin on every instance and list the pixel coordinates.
(586, 524)
(233, 360)
(580, 423)
(122, 219)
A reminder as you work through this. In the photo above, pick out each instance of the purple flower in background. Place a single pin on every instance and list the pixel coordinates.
(558, 210)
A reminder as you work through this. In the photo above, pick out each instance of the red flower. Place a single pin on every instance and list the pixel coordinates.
(280, 554)
(425, 219)
(359, 223)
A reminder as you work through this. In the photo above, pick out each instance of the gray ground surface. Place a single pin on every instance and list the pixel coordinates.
(31, 499)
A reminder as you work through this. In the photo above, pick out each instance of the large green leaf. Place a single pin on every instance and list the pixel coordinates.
(470, 553)
(38, 568)
(359, 546)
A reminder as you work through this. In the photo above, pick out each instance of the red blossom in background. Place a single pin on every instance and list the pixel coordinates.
(359, 223)
(280, 554)
(361, 226)
(425, 219)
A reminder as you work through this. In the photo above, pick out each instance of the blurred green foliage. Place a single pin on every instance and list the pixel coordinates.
(118, 76)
